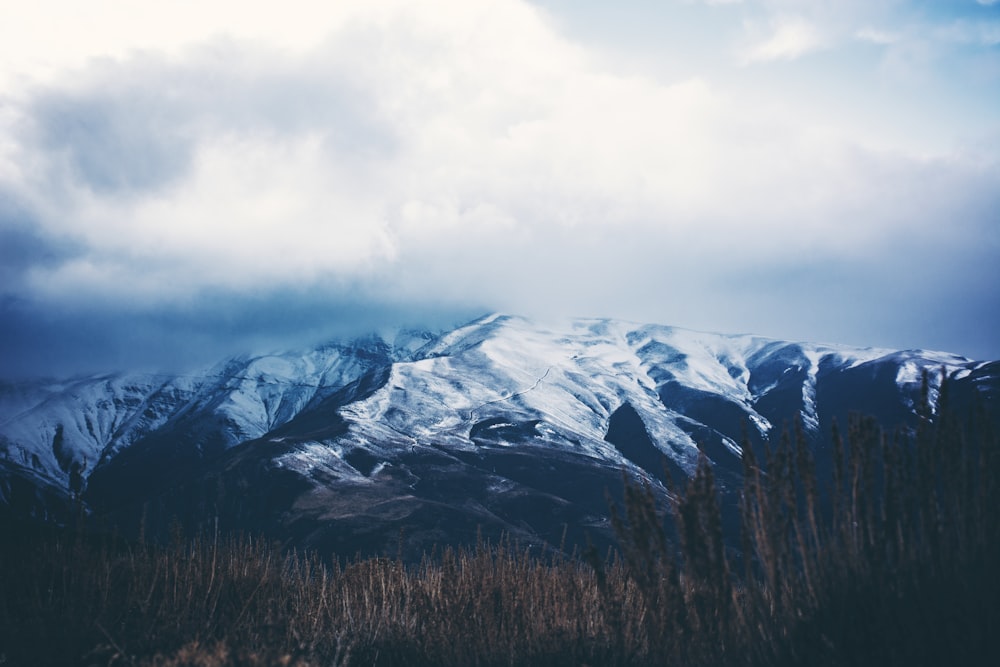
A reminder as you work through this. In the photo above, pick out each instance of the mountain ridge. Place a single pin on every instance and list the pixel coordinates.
(458, 424)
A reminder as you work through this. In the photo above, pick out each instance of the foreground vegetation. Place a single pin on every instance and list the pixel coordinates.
(891, 559)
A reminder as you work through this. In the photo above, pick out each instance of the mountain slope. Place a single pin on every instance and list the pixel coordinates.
(503, 425)
(56, 429)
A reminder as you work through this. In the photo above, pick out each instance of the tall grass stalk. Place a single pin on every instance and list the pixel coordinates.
(892, 560)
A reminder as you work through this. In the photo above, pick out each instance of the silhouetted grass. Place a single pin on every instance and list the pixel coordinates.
(67, 600)
(891, 561)
(894, 562)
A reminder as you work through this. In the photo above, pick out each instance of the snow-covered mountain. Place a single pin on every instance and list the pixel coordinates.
(58, 430)
(502, 425)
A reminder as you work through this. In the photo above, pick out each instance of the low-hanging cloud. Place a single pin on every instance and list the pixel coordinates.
(426, 157)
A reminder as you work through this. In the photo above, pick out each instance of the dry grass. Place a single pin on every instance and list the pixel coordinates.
(892, 561)
(68, 600)
(895, 560)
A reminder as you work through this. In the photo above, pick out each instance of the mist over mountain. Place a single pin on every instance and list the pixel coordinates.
(411, 438)
(179, 184)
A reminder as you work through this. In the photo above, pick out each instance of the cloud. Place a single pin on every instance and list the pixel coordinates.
(788, 38)
(964, 32)
(101, 336)
(225, 187)
(110, 144)
(396, 158)
(876, 36)
(781, 30)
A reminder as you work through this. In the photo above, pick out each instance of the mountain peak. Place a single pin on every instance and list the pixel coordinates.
(481, 419)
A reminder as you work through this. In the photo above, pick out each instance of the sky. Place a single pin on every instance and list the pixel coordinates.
(184, 181)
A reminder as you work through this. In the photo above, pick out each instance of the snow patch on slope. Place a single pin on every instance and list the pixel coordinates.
(810, 411)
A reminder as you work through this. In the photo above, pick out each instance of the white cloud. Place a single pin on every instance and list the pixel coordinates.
(250, 213)
(430, 153)
(787, 38)
(877, 36)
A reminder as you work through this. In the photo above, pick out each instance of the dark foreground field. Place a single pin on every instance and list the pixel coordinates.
(893, 560)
